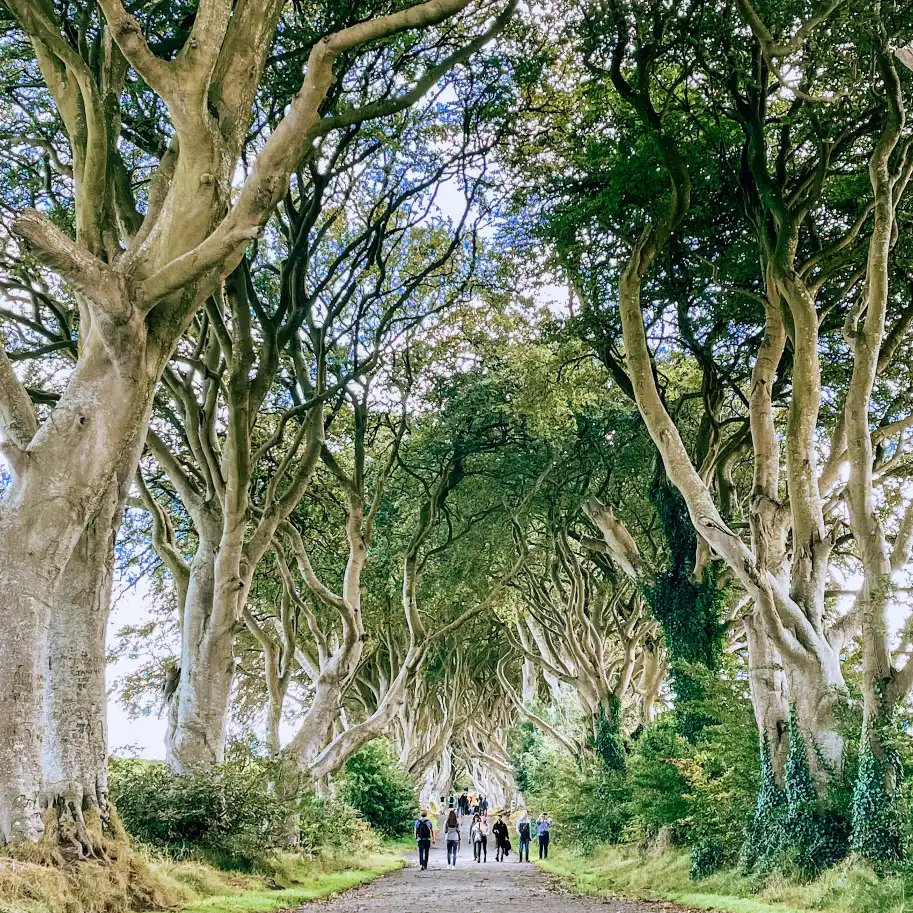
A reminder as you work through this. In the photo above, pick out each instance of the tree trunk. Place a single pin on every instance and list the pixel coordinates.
(98, 427)
(277, 688)
(767, 683)
(27, 582)
(75, 746)
(815, 701)
(197, 738)
(530, 680)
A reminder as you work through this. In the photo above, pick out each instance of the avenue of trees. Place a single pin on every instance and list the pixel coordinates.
(518, 396)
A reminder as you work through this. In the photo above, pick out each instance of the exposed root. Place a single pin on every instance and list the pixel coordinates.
(84, 869)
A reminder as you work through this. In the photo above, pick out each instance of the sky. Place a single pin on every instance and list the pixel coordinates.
(145, 736)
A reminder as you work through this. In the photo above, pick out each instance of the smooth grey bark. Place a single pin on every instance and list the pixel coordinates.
(201, 701)
(768, 688)
(63, 478)
(75, 745)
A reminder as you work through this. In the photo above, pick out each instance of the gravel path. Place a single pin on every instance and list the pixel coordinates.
(492, 887)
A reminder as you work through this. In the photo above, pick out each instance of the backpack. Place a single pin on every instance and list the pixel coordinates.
(524, 830)
(423, 829)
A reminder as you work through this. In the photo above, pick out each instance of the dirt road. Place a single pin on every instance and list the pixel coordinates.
(471, 887)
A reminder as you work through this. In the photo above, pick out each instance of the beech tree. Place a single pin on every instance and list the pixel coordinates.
(139, 269)
(345, 294)
(750, 132)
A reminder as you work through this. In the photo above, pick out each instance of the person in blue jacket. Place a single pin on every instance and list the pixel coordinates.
(543, 830)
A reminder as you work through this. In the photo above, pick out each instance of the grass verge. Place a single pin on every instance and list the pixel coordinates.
(304, 881)
(136, 881)
(622, 871)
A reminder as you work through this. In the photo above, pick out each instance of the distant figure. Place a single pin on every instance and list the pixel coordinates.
(452, 836)
(499, 832)
(524, 832)
(484, 804)
(464, 804)
(424, 835)
(543, 829)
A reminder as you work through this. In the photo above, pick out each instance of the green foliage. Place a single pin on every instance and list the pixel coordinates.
(706, 858)
(330, 825)
(226, 815)
(793, 829)
(229, 816)
(525, 746)
(876, 823)
(688, 610)
(697, 792)
(588, 804)
(375, 785)
(762, 837)
(658, 788)
(608, 739)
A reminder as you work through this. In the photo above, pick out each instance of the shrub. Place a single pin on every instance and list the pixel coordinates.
(658, 789)
(327, 825)
(226, 815)
(706, 858)
(375, 784)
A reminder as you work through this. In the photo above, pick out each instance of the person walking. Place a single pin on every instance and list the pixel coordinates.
(452, 836)
(475, 838)
(543, 830)
(524, 832)
(424, 835)
(483, 832)
(499, 832)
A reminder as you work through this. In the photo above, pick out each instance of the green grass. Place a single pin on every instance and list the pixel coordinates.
(306, 881)
(849, 888)
(265, 900)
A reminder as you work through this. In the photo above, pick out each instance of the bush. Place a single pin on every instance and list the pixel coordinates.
(658, 789)
(225, 815)
(589, 804)
(706, 858)
(327, 825)
(375, 785)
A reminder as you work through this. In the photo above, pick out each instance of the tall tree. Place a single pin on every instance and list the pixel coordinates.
(139, 271)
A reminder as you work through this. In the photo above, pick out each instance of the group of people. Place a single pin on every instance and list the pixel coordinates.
(468, 804)
(479, 832)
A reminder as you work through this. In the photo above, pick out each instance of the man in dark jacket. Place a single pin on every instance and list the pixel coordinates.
(499, 832)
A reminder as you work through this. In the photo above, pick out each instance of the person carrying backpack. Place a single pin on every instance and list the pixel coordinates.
(524, 832)
(452, 836)
(424, 835)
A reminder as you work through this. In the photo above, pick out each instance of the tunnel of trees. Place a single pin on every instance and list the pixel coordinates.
(454, 394)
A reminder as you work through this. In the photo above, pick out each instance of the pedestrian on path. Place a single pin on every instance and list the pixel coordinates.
(424, 835)
(483, 833)
(475, 838)
(524, 832)
(499, 832)
(452, 836)
(543, 829)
